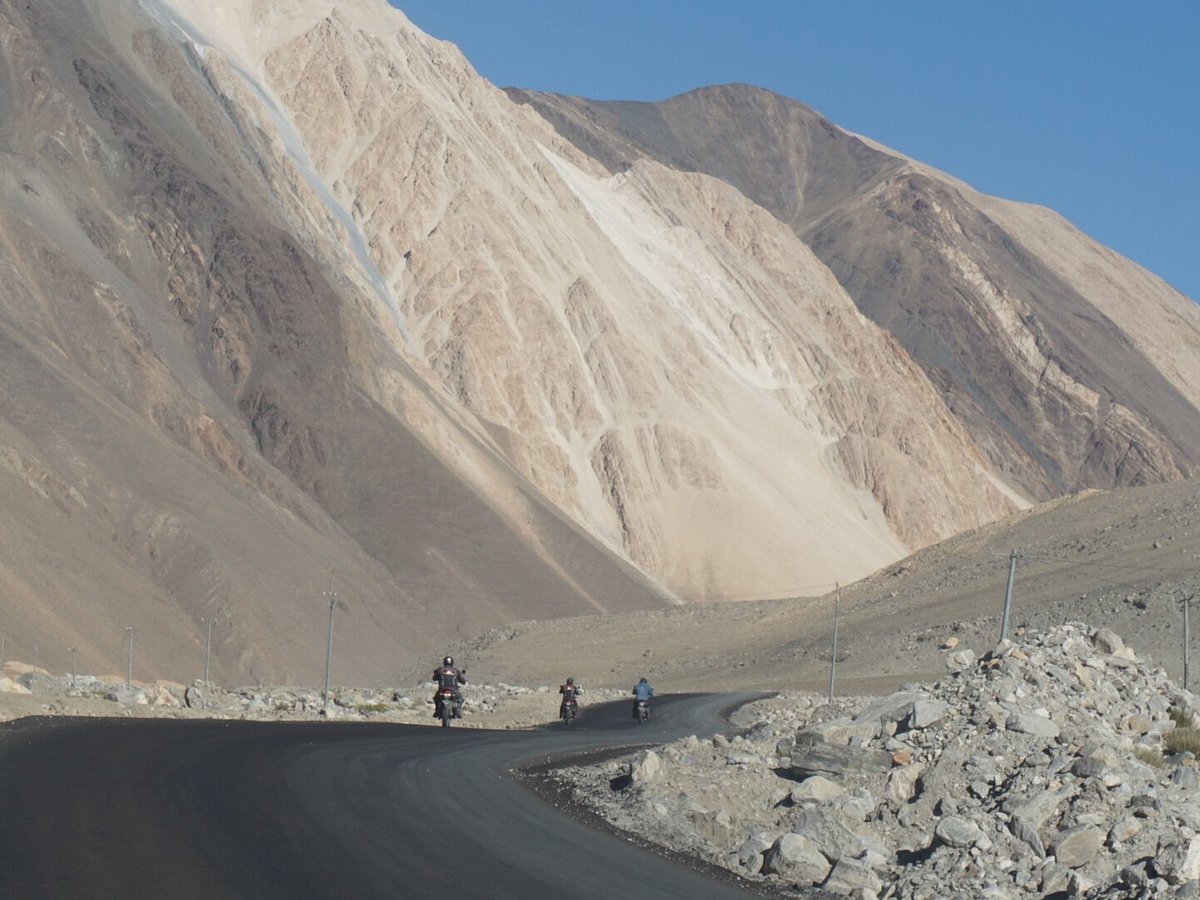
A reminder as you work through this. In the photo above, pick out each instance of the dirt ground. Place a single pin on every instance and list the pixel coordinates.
(1124, 559)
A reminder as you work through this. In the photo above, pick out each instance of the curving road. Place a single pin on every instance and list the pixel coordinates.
(212, 809)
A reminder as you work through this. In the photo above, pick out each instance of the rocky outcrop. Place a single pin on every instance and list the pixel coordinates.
(1023, 323)
(1048, 769)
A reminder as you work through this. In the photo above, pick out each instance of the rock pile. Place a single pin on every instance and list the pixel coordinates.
(1047, 768)
(97, 695)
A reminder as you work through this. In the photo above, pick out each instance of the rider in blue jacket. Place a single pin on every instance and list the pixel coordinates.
(641, 691)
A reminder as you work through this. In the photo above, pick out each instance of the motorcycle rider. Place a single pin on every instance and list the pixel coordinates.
(447, 676)
(641, 691)
(570, 694)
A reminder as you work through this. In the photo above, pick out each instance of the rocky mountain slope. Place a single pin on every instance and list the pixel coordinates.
(205, 412)
(1069, 366)
(295, 301)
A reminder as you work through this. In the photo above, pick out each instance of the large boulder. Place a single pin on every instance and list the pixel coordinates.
(795, 858)
(840, 731)
(646, 767)
(1178, 862)
(888, 712)
(850, 876)
(829, 759)
(827, 829)
(926, 713)
(902, 784)
(749, 857)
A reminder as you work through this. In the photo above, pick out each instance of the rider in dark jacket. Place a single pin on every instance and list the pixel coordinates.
(641, 691)
(447, 676)
(570, 694)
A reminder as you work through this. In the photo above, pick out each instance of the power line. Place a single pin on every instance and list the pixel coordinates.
(794, 593)
(1103, 565)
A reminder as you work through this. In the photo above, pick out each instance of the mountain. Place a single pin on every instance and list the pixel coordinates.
(206, 411)
(295, 302)
(1070, 367)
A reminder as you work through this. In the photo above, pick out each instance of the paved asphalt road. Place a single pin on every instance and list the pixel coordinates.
(166, 809)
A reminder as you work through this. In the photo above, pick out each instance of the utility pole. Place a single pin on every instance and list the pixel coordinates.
(207, 649)
(129, 671)
(72, 667)
(331, 597)
(837, 598)
(1012, 572)
(1187, 642)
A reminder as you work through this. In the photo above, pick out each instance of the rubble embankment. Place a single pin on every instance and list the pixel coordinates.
(1057, 765)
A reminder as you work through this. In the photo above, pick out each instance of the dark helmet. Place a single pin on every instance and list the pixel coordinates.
(570, 681)
(643, 681)
(448, 661)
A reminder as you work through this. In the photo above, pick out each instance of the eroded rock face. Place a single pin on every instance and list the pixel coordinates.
(967, 806)
(1007, 284)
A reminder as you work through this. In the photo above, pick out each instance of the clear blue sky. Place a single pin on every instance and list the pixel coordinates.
(1091, 108)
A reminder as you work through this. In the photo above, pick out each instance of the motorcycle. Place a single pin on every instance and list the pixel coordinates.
(643, 711)
(445, 706)
(567, 710)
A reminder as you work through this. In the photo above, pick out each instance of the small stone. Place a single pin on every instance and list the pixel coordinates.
(1124, 830)
(1184, 777)
(195, 697)
(1025, 831)
(1106, 641)
(955, 831)
(1075, 847)
(1056, 879)
(926, 713)
(750, 856)
(1138, 724)
(818, 788)
(902, 784)
(1039, 726)
(960, 660)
